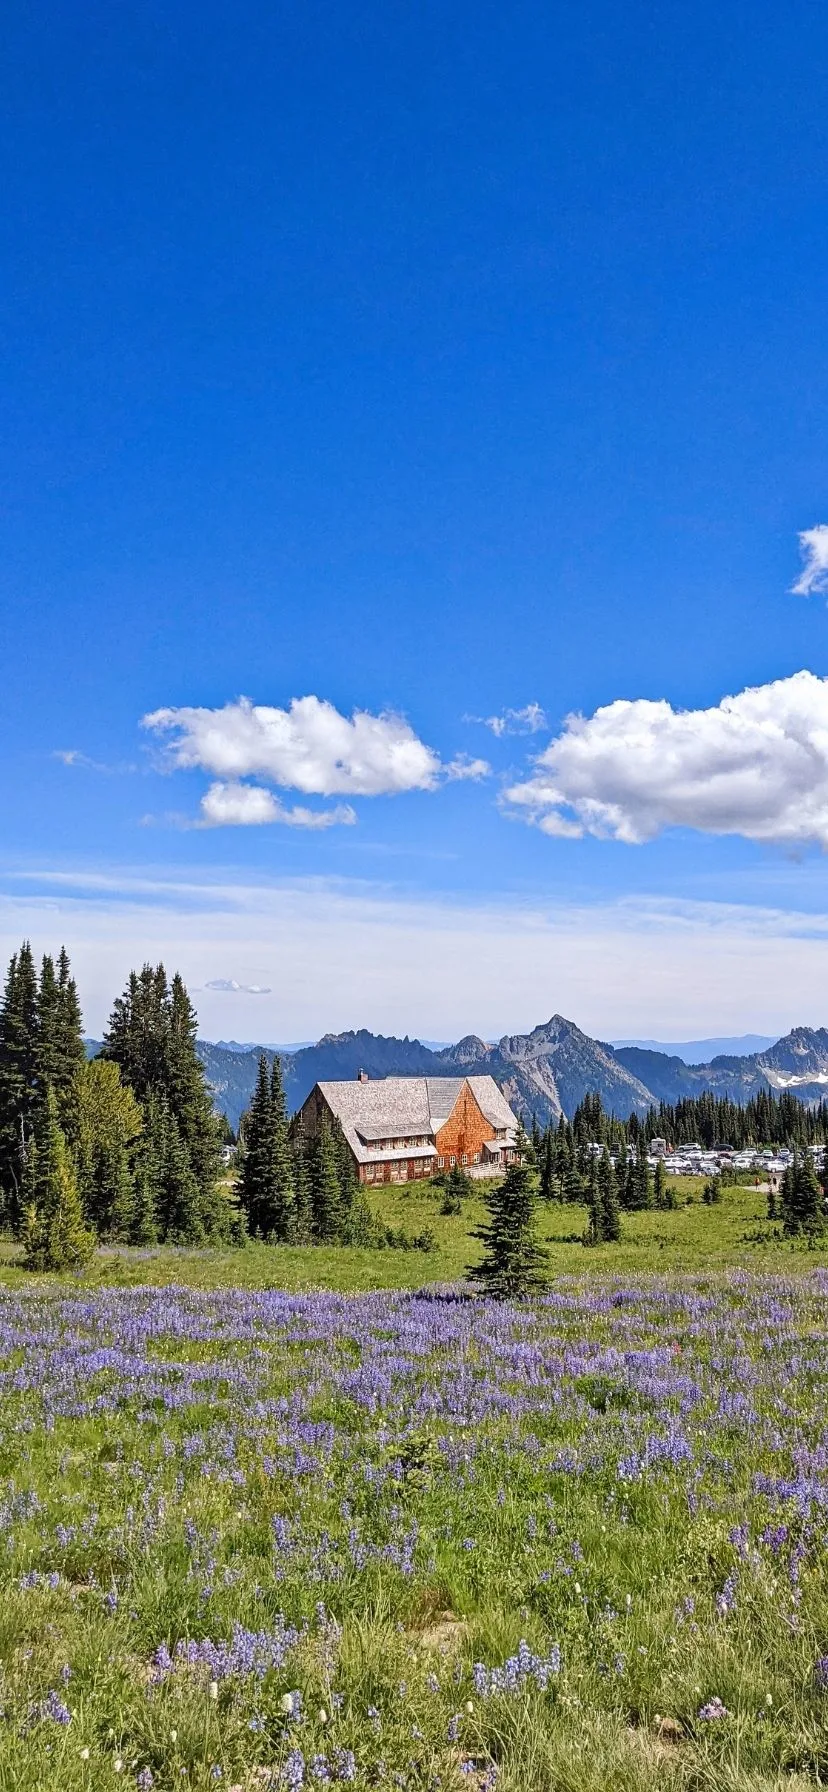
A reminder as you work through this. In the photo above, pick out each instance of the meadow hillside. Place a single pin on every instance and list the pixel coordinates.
(295, 1519)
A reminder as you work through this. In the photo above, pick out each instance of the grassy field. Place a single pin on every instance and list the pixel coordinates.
(262, 1528)
(694, 1237)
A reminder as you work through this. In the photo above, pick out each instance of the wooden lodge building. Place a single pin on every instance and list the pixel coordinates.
(400, 1128)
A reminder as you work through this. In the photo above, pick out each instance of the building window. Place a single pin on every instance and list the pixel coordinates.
(477, 1157)
(464, 1159)
(440, 1162)
(452, 1161)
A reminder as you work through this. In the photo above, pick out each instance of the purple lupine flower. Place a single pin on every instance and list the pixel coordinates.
(821, 1673)
(713, 1710)
(54, 1709)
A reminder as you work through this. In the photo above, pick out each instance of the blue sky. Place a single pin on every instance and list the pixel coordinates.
(431, 363)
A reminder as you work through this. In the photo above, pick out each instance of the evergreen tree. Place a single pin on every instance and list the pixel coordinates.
(639, 1191)
(19, 1088)
(595, 1206)
(325, 1186)
(180, 1206)
(563, 1158)
(573, 1185)
(802, 1199)
(146, 1189)
(254, 1178)
(55, 1235)
(660, 1186)
(621, 1174)
(607, 1190)
(119, 1187)
(152, 1038)
(302, 1204)
(69, 1052)
(513, 1261)
(279, 1218)
(48, 1046)
(546, 1186)
(536, 1141)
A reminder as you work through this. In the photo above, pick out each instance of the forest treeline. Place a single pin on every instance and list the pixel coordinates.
(124, 1146)
(706, 1120)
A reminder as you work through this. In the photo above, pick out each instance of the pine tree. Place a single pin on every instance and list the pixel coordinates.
(181, 1212)
(546, 1186)
(69, 1055)
(55, 1234)
(357, 1224)
(660, 1186)
(278, 1220)
(639, 1191)
(595, 1205)
(152, 1037)
(608, 1195)
(536, 1141)
(302, 1205)
(19, 1087)
(513, 1261)
(573, 1186)
(254, 1177)
(621, 1174)
(146, 1190)
(48, 1046)
(325, 1186)
(802, 1199)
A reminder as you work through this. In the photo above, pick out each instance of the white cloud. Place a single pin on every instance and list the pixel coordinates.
(72, 756)
(462, 767)
(756, 765)
(249, 805)
(229, 986)
(813, 545)
(340, 956)
(529, 720)
(308, 747)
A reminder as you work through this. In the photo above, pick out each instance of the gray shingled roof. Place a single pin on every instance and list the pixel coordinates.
(395, 1107)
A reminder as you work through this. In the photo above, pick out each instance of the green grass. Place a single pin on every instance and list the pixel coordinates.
(693, 1237)
(632, 1472)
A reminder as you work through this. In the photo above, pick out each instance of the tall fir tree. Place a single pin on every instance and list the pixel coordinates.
(20, 1090)
(152, 1038)
(254, 1176)
(608, 1195)
(55, 1233)
(281, 1215)
(660, 1186)
(803, 1207)
(302, 1203)
(595, 1205)
(69, 1048)
(513, 1261)
(326, 1185)
(546, 1185)
(639, 1189)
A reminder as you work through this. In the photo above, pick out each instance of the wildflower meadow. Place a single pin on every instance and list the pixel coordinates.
(416, 1539)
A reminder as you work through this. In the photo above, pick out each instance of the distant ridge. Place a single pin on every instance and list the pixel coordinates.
(701, 1051)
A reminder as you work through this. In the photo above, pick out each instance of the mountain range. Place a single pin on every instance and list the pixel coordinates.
(546, 1072)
